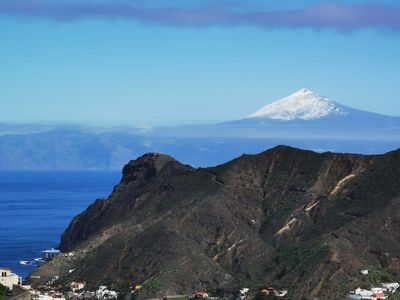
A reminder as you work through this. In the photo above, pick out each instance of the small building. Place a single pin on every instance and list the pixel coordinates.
(390, 286)
(9, 279)
(379, 295)
(364, 272)
(243, 293)
(104, 293)
(354, 296)
(267, 291)
(76, 286)
(47, 296)
(280, 293)
(201, 295)
(364, 292)
(50, 254)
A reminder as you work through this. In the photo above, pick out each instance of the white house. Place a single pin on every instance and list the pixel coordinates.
(104, 293)
(46, 296)
(280, 293)
(363, 292)
(50, 254)
(76, 286)
(391, 286)
(9, 279)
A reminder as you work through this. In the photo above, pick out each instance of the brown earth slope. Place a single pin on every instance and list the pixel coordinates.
(286, 217)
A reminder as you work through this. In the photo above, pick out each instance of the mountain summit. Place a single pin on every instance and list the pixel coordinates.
(302, 105)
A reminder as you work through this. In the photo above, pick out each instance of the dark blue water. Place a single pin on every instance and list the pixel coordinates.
(36, 207)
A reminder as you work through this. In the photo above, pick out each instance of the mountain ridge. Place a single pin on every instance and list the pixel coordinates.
(285, 217)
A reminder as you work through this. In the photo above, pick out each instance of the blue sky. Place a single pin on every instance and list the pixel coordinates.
(192, 63)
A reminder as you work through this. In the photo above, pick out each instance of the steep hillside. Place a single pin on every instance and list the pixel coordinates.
(286, 217)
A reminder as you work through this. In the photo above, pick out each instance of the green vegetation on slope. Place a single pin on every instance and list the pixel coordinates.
(2, 292)
(377, 275)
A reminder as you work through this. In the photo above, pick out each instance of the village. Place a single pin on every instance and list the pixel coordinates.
(16, 290)
(77, 290)
(384, 291)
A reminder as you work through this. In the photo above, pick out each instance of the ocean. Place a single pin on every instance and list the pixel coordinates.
(36, 207)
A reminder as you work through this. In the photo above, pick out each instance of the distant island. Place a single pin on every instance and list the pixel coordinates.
(303, 119)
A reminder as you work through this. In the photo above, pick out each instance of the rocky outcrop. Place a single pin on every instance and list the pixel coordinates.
(286, 217)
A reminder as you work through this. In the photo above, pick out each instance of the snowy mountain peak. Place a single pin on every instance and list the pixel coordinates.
(302, 105)
(303, 92)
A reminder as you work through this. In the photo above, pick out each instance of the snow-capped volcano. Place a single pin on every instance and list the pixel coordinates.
(302, 105)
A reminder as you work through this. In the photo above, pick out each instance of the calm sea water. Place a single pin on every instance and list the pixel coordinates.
(36, 207)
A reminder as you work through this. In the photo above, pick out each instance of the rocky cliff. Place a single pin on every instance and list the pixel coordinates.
(285, 217)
